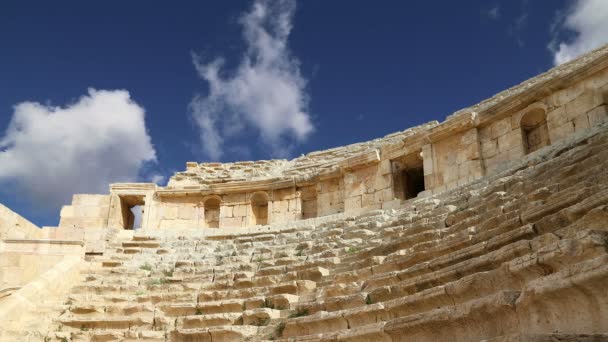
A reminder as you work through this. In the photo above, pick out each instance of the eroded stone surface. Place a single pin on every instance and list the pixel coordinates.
(504, 244)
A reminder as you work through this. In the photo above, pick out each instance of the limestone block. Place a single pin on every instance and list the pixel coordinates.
(384, 167)
(226, 211)
(561, 97)
(261, 316)
(240, 210)
(489, 148)
(392, 204)
(557, 117)
(597, 81)
(561, 132)
(473, 151)
(384, 195)
(450, 174)
(280, 206)
(283, 194)
(509, 140)
(451, 158)
(583, 103)
(83, 222)
(231, 222)
(434, 181)
(500, 127)
(67, 211)
(235, 198)
(352, 203)
(383, 181)
(330, 185)
(308, 192)
(598, 115)
(581, 123)
(170, 212)
(462, 155)
(282, 301)
(352, 185)
(86, 211)
(323, 200)
(294, 205)
(186, 213)
(85, 199)
(368, 200)
(485, 133)
(469, 137)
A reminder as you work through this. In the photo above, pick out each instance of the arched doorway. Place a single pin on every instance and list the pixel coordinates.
(259, 209)
(534, 131)
(212, 212)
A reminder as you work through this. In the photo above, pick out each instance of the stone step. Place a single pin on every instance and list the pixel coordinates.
(215, 334)
(108, 322)
(141, 244)
(550, 338)
(462, 257)
(209, 320)
(126, 309)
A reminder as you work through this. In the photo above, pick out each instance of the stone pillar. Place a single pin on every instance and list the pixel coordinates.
(428, 167)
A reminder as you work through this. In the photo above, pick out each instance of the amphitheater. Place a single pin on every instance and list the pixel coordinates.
(489, 226)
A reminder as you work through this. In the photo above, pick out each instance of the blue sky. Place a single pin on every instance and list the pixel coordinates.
(118, 91)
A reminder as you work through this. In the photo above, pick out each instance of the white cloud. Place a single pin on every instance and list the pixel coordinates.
(517, 28)
(265, 93)
(157, 178)
(49, 153)
(588, 20)
(494, 12)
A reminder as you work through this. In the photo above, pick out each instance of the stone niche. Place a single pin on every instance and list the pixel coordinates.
(211, 208)
(259, 209)
(482, 140)
(534, 131)
(408, 176)
(308, 196)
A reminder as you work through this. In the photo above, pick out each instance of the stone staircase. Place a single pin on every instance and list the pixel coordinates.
(521, 256)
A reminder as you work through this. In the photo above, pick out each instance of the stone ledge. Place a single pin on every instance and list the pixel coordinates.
(45, 241)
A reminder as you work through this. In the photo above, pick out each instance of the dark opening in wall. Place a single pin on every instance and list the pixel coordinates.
(413, 182)
(408, 176)
(259, 209)
(132, 210)
(535, 133)
(212, 213)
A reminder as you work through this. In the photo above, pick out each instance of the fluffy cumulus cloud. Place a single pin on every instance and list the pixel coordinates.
(49, 153)
(587, 23)
(265, 93)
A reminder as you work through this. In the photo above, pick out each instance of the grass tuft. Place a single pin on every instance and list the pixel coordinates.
(299, 313)
(146, 267)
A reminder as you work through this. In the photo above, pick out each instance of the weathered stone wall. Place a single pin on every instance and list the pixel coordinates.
(368, 187)
(14, 226)
(285, 206)
(22, 260)
(472, 143)
(308, 195)
(456, 161)
(86, 211)
(330, 196)
(179, 212)
(576, 108)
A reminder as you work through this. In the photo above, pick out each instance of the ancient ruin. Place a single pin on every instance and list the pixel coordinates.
(491, 225)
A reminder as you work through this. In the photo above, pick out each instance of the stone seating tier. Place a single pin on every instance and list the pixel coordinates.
(521, 256)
